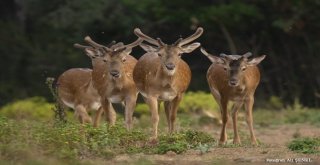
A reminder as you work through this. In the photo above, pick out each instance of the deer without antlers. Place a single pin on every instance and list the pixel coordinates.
(76, 91)
(161, 74)
(112, 77)
(234, 78)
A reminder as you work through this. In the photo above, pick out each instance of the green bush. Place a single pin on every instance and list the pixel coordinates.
(195, 101)
(305, 145)
(142, 109)
(34, 108)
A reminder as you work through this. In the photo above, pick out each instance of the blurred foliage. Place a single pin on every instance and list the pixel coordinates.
(34, 108)
(37, 38)
(191, 102)
(198, 101)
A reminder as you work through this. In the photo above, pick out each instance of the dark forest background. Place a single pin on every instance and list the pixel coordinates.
(37, 37)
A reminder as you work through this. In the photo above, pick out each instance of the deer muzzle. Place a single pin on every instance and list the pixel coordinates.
(170, 66)
(115, 73)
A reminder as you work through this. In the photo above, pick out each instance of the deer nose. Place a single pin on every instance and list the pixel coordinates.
(233, 82)
(170, 66)
(115, 73)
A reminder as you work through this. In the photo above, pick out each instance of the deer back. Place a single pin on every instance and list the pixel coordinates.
(75, 87)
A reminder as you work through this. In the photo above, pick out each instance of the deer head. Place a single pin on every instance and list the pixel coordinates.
(234, 65)
(169, 54)
(114, 55)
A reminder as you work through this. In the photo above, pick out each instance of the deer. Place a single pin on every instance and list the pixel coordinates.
(76, 91)
(161, 75)
(112, 78)
(234, 78)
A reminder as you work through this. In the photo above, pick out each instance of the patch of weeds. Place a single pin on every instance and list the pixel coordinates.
(175, 142)
(203, 148)
(195, 138)
(305, 145)
(180, 142)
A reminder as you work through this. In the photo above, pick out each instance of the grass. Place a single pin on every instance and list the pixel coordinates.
(30, 135)
(71, 141)
(305, 145)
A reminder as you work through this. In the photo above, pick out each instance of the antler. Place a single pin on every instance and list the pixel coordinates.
(248, 54)
(224, 55)
(111, 43)
(194, 36)
(135, 43)
(204, 51)
(76, 45)
(138, 33)
(94, 44)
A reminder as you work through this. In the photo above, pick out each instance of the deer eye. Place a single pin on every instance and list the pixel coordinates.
(104, 60)
(243, 68)
(124, 60)
(225, 68)
(159, 55)
(179, 54)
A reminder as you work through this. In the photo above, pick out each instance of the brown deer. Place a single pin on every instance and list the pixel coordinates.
(113, 78)
(76, 91)
(234, 78)
(161, 74)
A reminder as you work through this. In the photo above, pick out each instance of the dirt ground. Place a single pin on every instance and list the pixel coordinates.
(273, 138)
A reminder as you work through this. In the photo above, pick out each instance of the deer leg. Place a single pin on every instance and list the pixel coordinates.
(97, 117)
(249, 105)
(224, 114)
(167, 110)
(109, 111)
(173, 111)
(153, 106)
(235, 109)
(82, 114)
(130, 104)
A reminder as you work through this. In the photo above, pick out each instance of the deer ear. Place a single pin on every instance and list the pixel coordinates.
(190, 48)
(90, 52)
(148, 48)
(212, 58)
(215, 59)
(255, 61)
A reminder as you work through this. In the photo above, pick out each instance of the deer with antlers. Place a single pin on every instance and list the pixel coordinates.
(76, 89)
(161, 74)
(113, 78)
(234, 78)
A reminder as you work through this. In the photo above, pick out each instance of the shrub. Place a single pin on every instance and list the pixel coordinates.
(34, 108)
(305, 145)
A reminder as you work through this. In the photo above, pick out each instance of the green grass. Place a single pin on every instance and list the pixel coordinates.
(72, 141)
(305, 145)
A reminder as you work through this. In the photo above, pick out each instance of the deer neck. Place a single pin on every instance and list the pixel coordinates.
(164, 77)
(118, 83)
